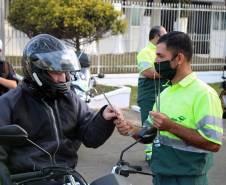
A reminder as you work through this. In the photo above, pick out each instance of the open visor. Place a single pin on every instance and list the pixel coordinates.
(63, 60)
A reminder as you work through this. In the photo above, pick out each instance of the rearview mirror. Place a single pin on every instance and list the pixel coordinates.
(13, 135)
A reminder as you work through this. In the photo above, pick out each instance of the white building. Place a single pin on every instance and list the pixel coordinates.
(206, 26)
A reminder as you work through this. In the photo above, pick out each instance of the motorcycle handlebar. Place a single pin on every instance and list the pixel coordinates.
(125, 171)
(137, 168)
(47, 173)
(22, 176)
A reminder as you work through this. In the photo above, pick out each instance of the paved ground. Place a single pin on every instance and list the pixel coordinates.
(94, 163)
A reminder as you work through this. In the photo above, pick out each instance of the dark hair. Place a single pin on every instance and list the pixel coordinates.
(178, 42)
(154, 31)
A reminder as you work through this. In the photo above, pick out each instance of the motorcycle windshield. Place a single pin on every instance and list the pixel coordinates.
(63, 60)
(81, 85)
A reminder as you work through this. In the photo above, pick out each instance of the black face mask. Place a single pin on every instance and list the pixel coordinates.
(165, 70)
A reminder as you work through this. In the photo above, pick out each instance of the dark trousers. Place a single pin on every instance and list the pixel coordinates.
(180, 180)
(145, 107)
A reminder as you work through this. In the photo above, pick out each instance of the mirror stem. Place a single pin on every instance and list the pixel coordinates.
(40, 148)
(127, 148)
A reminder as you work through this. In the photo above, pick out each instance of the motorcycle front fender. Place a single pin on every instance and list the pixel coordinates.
(111, 179)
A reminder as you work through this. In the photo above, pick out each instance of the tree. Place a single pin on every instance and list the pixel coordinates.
(76, 21)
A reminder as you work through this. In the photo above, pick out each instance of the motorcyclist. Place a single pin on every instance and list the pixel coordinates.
(53, 115)
(7, 75)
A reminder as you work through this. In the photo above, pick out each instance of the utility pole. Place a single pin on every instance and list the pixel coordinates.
(178, 16)
(2, 26)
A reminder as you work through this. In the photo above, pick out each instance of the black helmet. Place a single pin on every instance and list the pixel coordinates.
(46, 53)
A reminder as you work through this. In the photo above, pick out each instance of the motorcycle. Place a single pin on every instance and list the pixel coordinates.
(223, 93)
(14, 135)
(82, 82)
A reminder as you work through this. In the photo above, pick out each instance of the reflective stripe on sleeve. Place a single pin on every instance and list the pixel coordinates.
(180, 145)
(211, 128)
(143, 65)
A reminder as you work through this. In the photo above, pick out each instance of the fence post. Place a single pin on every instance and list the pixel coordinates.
(2, 26)
(156, 14)
(98, 56)
(178, 16)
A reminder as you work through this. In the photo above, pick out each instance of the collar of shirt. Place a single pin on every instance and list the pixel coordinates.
(151, 46)
(183, 83)
(188, 79)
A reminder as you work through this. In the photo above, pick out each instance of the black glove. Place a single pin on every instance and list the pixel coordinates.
(147, 135)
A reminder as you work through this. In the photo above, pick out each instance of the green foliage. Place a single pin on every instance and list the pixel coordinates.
(217, 87)
(100, 89)
(133, 95)
(76, 21)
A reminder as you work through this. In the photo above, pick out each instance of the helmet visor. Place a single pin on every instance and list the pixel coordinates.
(63, 60)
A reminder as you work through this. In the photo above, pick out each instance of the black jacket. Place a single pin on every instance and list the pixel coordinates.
(55, 125)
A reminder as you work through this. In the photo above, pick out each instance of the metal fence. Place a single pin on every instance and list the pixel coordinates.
(205, 23)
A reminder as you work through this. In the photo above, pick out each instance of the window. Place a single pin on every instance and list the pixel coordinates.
(219, 21)
(135, 15)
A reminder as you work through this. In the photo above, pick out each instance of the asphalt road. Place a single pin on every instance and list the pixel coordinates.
(94, 163)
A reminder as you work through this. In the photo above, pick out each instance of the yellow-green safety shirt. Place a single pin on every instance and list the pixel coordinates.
(192, 104)
(146, 58)
(147, 88)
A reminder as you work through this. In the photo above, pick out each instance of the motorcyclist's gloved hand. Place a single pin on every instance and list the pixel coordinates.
(4, 175)
(147, 135)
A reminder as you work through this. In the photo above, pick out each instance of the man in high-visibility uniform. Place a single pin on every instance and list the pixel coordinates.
(148, 81)
(189, 120)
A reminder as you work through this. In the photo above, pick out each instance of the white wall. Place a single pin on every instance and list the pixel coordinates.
(218, 43)
(14, 41)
